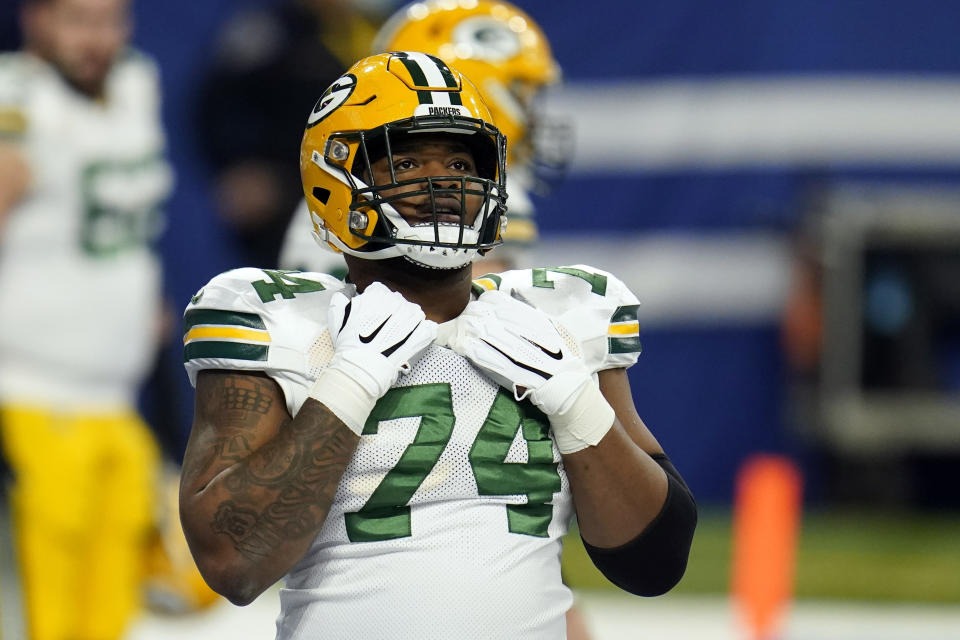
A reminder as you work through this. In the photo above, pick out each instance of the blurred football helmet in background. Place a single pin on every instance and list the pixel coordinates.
(504, 52)
(496, 45)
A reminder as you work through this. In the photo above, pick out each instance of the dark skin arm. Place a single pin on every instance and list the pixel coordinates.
(618, 489)
(256, 484)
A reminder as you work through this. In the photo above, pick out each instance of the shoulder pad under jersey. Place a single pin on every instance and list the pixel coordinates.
(595, 306)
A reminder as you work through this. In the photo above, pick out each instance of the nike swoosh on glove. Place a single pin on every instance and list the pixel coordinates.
(377, 336)
(520, 348)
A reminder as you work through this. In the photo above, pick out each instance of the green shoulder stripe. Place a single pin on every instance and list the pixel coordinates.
(623, 336)
(231, 350)
(626, 313)
(625, 345)
(196, 317)
(487, 282)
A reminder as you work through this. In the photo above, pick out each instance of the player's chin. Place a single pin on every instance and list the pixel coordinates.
(88, 78)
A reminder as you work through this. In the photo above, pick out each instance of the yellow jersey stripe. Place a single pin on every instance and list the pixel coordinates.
(486, 283)
(625, 329)
(233, 333)
(13, 122)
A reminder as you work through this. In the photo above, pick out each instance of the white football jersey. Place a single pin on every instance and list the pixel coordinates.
(448, 520)
(79, 285)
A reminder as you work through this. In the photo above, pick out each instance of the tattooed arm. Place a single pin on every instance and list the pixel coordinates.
(256, 483)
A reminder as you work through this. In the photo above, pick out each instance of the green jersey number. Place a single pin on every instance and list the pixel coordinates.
(121, 203)
(386, 514)
(538, 478)
(283, 284)
(541, 279)
(597, 281)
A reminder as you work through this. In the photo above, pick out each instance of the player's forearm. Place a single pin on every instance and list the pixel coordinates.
(618, 489)
(248, 522)
(609, 505)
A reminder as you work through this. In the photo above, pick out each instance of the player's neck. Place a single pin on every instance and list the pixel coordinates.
(94, 90)
(441, 293)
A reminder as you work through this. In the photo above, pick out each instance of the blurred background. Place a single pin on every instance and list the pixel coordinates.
(778, 182)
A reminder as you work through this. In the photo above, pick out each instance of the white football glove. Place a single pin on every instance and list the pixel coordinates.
(377, 335)
(519, 347)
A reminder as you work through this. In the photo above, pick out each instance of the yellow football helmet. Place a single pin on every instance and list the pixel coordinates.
(499, 48)
(378, 102)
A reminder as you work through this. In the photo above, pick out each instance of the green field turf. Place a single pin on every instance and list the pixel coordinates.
(854, 555)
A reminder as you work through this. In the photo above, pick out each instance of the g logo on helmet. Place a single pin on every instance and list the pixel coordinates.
(485, 38)
(335, 95)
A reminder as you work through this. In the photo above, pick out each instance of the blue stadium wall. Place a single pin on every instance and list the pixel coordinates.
(703, 129)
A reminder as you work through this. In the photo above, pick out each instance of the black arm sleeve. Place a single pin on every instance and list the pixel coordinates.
(653, 563)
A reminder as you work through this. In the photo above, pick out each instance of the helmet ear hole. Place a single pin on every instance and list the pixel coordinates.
(321, 194)
(372, 149)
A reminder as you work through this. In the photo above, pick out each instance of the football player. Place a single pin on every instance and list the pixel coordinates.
(82, 180)
(503, 51)
(406, 448)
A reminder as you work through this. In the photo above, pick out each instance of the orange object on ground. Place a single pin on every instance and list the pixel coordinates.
(766, 523)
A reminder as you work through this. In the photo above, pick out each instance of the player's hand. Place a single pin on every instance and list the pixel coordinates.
(377, 336)
(521, 349)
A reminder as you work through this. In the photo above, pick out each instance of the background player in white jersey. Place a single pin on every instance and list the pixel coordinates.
(407, 446)
(505, 53)
(81, 183)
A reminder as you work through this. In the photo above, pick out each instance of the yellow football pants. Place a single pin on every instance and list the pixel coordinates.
(82, 504)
